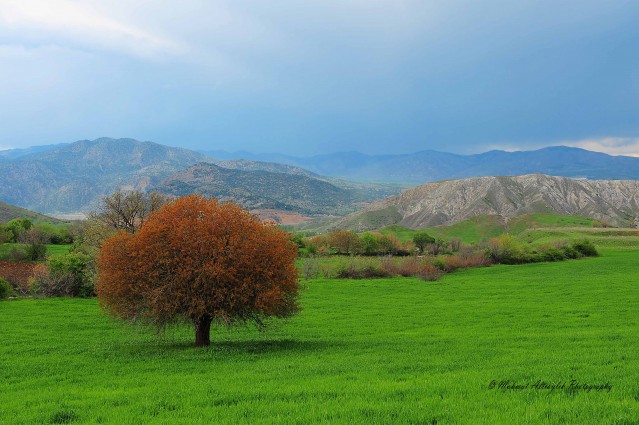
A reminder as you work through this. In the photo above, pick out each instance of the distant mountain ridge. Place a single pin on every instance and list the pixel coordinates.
(260, 189)
(428, 165)
(72, 178)
(447, 202)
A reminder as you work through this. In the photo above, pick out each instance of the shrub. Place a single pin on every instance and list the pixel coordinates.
(411, 266)
(18, 253)
(67, 276)
(367, 272)
(39, 281)
(551, 254)
(506, 249)
(311, 268)
(17, 274)
(586, 247)
(5, 289)
(455, 262)
(36, 252)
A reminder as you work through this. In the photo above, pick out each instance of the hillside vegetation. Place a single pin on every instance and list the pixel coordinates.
(533, 229)
(9, 212)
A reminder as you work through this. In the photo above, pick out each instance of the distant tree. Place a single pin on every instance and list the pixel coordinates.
(5, 234)
(389, 244)
(344, 241)
(318, 244)
(199, 261)
(422, 240)
(440, 246)
(17, 227)
(127, 210)
(298, 239)
(370, 245)
(124, 211)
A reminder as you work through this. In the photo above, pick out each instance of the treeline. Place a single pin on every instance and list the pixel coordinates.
(347, 242)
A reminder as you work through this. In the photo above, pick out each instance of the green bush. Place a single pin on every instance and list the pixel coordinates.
(506, 249)
(367, 272)
(5, 289)
(586, 247)
(68, 276)
(36, 252)
(19, 253)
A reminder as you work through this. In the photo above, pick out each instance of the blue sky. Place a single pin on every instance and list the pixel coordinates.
(308, 77)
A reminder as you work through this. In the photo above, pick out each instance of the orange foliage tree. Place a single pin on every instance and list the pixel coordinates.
(196, 260)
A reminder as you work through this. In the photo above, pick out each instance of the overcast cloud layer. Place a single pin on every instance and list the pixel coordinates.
(306, 77)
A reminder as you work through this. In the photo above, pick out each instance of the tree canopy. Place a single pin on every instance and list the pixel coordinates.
(422, 240)
(199, 261)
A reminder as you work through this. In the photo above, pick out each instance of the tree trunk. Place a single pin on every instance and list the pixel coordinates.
(203, 331)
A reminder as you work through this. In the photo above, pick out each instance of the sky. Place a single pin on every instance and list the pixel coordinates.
(319, 76)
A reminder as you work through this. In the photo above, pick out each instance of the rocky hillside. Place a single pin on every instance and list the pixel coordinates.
(613, 201)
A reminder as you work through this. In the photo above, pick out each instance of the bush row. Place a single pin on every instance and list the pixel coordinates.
(504, 250)
(72, 275)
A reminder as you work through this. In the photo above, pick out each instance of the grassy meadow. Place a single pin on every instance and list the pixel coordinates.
(400, 351)
(52, 250)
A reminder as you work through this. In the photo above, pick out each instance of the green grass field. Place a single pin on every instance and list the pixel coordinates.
(52, 250)
(386, 351)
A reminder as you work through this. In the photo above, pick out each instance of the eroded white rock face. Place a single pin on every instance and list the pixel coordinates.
(613, 201)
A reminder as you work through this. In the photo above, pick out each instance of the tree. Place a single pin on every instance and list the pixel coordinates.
(5, 234)
(389, 244)
(196, 260)
(422, 240)
(344, 241)
(370, 245)
(124, 211)
(17, 227)
(127, 211)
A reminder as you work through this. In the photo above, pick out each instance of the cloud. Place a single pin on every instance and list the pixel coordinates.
(46, 22)
(627, 146)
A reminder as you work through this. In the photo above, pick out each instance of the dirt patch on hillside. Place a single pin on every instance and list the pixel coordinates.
(281, 217)
(17, 274)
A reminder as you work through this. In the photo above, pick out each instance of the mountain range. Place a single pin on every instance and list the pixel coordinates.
(427, 166)
(615, 202)
(73, 177)
(69, 178)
